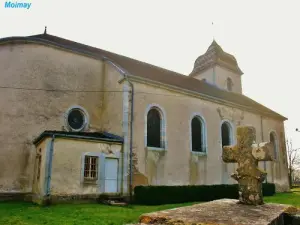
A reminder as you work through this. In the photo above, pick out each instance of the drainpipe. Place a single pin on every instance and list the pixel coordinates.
(131, 138)
(125, 74)
(49, 166)
(262, 139)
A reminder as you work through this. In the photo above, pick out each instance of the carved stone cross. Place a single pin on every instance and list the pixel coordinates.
(247, 154)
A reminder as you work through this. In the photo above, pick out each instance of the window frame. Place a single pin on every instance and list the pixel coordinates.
(276, 150)
(156, 121)
(91, 179)
(85, 115)
(101, 158)
(163, 133)
(100, 182)
(232, 133)
(229, 83)
(203, 134)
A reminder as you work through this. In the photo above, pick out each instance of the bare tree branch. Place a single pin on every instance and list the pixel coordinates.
(293, 155)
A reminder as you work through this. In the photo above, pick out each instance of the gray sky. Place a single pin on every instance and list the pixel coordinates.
(263, 36)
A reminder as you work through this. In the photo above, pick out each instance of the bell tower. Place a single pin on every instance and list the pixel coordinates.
(218, 68)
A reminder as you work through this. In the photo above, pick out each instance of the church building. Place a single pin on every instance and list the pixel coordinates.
(81, 121)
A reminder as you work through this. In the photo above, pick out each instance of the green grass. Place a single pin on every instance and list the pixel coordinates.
(75, 214)
(296, 189)
(81, 214)
(286, 198)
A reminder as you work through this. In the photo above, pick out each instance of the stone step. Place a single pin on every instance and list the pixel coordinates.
(115, 203)
(115, 197)
(119, 203)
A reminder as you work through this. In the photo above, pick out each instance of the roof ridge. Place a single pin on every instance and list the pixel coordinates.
(109, 52)
(154, 73)
(127, 57)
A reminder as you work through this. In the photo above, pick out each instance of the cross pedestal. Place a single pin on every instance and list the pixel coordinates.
(252, 211)
(247, 154)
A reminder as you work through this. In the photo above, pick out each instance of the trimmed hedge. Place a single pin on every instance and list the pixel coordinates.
(157, 195)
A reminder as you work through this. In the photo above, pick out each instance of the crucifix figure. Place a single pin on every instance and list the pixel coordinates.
(247, 154)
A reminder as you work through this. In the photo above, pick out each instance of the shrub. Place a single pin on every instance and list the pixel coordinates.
(268, 189)
(156, 195)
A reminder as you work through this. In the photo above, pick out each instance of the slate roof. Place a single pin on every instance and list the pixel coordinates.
(154, 73)
(100, 136)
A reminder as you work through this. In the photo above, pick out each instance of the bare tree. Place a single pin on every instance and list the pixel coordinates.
(296, 177)
(293, 155)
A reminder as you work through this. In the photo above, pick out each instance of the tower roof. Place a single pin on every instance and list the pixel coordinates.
(215, 56)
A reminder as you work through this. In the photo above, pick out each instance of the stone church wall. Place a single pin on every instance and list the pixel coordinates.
(177, 165)
(67, 165)
(26, 112)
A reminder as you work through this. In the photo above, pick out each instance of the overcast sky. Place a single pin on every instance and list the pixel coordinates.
(262, 35)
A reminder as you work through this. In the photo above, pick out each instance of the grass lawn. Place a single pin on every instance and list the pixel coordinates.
(75, 214)
(81, 214)
(286, 198)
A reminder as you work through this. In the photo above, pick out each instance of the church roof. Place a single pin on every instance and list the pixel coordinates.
(156, 74)
(98, 136)
(215, 56)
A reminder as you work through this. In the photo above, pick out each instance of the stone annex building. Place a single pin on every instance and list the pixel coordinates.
(71, 114)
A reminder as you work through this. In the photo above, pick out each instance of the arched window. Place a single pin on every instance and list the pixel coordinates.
(273, 140)
(198, 135)
(254, 132)
(226, 132)
(154, 128)
(229, 84)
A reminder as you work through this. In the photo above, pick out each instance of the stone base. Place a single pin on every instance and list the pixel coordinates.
(15, 196)
(221, 212)
(292, 219)
(73, 198)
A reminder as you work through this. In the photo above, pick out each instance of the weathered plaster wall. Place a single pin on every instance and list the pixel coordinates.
(277, 170)
(177, 165)
(207, 74)
(218, 76)
(67, 165)
(111, 112)
(221, 79)
(38, 185)
(26, 113)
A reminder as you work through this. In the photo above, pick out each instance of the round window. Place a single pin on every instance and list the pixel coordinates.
(76, 119)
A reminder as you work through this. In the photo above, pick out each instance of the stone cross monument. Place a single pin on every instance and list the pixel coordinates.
(247, 154)
(252, 211)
